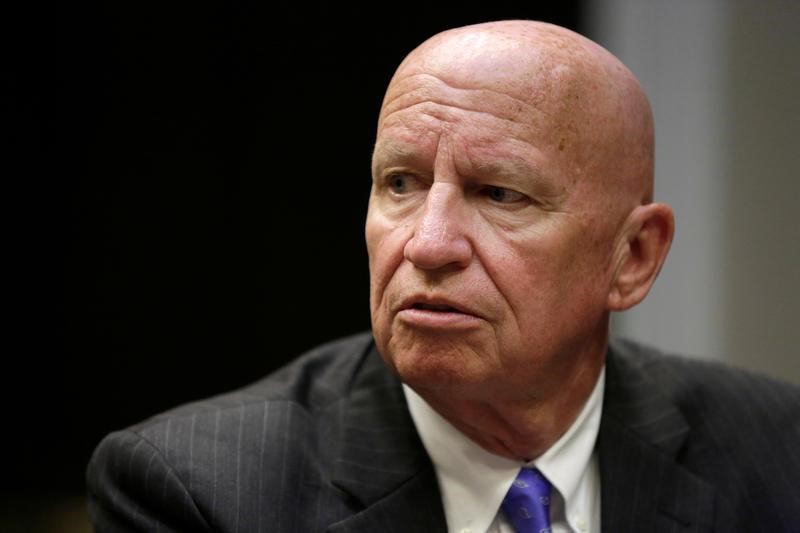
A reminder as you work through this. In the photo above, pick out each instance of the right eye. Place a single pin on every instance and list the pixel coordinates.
(401, 183)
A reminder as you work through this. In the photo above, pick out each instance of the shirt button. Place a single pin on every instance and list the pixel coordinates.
(465, 530)
(581, 523)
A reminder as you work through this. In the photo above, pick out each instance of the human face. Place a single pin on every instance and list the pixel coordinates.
(488, 251)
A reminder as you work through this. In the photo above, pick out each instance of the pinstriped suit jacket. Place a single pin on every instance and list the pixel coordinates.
(327, 444)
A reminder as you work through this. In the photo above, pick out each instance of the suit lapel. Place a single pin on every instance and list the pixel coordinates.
(382, 463)
(414, 506)
(644, 488)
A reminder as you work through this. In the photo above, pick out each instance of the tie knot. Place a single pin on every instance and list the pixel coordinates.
(527, 503)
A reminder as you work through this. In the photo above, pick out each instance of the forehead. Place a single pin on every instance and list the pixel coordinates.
(505, 88)
(443, 98)
(486, 128)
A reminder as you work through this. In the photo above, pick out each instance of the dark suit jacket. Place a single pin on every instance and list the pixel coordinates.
(327, 444)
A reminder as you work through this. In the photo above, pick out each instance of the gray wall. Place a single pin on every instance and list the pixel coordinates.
(723, 77)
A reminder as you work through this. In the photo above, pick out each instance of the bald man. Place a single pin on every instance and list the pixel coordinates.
(511, 211)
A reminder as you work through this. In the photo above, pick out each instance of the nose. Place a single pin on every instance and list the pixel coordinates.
(440, 236)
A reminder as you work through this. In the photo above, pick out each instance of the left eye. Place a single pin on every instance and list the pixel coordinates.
(503, 196)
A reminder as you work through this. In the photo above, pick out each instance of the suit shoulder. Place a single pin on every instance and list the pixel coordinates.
(739, 431)
(311, 382)
(714, 390)
(203, 453)
(318, 376)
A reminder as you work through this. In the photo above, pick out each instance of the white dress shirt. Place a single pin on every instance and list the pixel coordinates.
(473, 482)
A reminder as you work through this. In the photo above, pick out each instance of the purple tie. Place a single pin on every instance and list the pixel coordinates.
(527, 503)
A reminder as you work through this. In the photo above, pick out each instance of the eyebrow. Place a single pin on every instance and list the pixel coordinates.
(530, 176)
(511, 167)
(508, 168)
(395, 151)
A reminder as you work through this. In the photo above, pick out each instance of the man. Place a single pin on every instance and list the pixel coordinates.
(511, 211)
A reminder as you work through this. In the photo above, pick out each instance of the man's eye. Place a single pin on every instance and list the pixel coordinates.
(503, 196)
(400, 183)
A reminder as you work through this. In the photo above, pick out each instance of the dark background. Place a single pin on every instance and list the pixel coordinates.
(185, 193)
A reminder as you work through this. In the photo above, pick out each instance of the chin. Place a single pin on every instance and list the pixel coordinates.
(434, 363)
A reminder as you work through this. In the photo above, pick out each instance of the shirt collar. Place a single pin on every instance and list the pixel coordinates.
(473, 481)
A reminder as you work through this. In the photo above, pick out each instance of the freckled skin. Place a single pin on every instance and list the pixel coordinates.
(511, 165)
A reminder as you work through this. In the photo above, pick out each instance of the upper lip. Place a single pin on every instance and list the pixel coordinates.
(436, 301)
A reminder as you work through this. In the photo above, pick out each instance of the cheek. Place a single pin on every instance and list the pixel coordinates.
(579, 286)
(592, 251)
(385, 244)
(548, 276)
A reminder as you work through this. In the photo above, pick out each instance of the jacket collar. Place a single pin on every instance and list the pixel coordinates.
(642, 433)
(382, 463)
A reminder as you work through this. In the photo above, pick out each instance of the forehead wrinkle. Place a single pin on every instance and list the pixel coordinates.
(442, 111)
(440, 80)
(429, 88)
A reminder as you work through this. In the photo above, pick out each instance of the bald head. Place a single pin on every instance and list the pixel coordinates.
(586, 102)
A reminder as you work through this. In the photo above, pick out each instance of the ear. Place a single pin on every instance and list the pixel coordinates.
(644, 241)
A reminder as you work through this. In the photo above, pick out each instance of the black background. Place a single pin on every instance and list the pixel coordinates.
(185, 197)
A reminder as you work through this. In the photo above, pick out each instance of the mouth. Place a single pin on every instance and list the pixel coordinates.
(436, 305)
(437, 313)
(444, 308)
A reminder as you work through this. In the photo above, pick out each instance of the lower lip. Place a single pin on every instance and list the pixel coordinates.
(425, 318)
